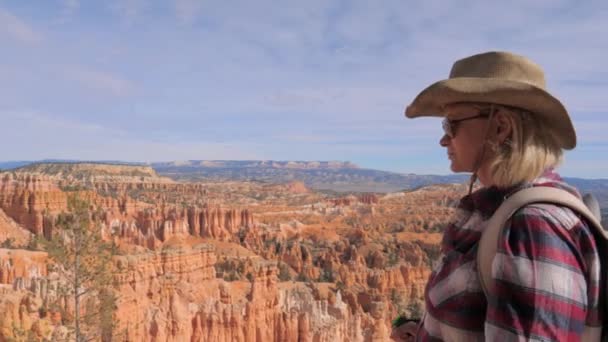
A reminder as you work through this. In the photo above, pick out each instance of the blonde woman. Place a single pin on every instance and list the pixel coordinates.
(504, 127)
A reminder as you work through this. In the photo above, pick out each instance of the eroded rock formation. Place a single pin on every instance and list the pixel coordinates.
(227, 261)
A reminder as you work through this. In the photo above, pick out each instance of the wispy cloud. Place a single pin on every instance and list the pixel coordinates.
(321, 80)
(73, 139)
(18, 29)
(128, 10)
(41, 122)
(187, 11)
(69, 8)
(101, 81)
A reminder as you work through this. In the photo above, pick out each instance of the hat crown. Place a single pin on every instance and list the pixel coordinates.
(501, 78)
(499, 65)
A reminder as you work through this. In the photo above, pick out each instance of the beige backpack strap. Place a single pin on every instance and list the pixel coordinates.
(488, 242)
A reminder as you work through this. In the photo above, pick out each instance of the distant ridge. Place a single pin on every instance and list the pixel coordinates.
(342, 176)
(88, 169)
(279, 164)
(289, 164)
(13, 164)
(9, 165)
(320, 175)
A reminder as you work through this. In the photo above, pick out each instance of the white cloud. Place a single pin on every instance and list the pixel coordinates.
(69, 7)
(101, 81)
(188, 10)
(422, 43)
(339, 100)
(155, 151)
(17, 29)
(70, 139)
(322, 78)
(36, 123)
(128, 10)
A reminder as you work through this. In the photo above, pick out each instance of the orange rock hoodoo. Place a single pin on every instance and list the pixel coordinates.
(282, 264)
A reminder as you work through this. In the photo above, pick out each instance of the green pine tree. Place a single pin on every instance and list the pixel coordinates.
(84, 260)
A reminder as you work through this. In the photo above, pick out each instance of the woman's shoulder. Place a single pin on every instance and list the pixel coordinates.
(546, 231)
(549, 215)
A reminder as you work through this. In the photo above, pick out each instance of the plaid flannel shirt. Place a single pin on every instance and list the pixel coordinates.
(546, 272)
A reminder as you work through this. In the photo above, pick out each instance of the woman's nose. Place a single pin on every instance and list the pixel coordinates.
(444, 140)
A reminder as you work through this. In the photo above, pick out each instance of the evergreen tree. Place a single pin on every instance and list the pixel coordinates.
(84, 261)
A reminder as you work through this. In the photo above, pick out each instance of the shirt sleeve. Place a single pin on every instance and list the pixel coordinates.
(541, 277)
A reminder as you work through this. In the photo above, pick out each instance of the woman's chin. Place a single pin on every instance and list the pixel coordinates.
(458, 168)
(455, 167)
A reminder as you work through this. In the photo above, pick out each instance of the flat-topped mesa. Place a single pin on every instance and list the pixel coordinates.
(78, 170)
(69, 175)
(277, 164)
(311, 164)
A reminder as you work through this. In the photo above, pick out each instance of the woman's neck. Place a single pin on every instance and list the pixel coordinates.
(485, 177)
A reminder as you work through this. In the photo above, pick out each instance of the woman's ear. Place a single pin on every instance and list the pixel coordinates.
(504, 127)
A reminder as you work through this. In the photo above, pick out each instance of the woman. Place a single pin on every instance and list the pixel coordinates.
(501, 125)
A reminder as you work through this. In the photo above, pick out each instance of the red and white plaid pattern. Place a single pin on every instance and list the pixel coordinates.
(546, 271)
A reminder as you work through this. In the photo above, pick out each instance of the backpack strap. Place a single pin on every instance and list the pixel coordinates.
(488, 243)
(593, 205)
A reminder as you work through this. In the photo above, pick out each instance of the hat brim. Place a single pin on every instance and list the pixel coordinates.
(432, 101)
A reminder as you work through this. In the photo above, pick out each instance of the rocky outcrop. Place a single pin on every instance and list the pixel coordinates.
(90, 171)
(30, 200)
(218, 223)
(34, 201)
(171, 295)
(308, 268)
(23, 289)
(11, 233)
(18, 266)
(368, 199)
(352, 199)
(160, 289)
(297, 187)
(192, 265)
(21, 316)
(277, 312)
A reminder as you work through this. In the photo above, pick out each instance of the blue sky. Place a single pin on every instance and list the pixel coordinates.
(151, 80)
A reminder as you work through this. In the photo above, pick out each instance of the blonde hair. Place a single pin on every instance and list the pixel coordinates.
(527, 154)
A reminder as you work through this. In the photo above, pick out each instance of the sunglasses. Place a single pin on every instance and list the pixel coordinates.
(449, 126)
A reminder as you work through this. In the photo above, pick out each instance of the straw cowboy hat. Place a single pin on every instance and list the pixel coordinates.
(501, 78)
